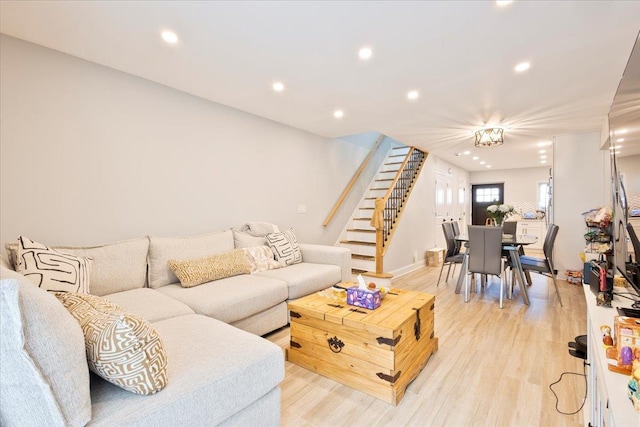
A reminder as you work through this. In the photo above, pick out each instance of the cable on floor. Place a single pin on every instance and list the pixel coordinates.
(584, 366)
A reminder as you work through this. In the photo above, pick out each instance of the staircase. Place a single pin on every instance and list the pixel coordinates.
(393, 182)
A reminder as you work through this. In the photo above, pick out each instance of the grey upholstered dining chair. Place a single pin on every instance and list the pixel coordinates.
(635, 242)
(485, 255)
(453, 255)
(510, 227)
(456, 232)
(544, 265)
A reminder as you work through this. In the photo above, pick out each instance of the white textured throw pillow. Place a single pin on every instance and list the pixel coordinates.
(285, 247)
(261, 259)
(52, 270)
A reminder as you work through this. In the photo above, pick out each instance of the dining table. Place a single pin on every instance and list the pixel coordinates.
(511, 243)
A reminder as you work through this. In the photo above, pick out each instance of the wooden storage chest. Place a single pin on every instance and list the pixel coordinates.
(376, 351)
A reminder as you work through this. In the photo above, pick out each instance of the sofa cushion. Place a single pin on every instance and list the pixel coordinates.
(149, 304)
(194, 272)
(123, 349)
(44, 379)
(216, 371)
(52, 270)
(162, 249)
(116, 267)
(285, 247)
(305, 278)
(230, 299)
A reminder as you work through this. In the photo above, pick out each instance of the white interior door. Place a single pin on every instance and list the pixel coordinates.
(445, 206)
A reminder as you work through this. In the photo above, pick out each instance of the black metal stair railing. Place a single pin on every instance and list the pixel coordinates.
(398, 195)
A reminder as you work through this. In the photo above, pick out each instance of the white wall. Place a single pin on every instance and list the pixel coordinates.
(520, 185)
(90, 155)
(581, 178)
(418, 230)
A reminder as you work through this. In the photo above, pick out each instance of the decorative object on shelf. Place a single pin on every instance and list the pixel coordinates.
(634, 385)
(489, 137)
(599, 217)
(499, 212)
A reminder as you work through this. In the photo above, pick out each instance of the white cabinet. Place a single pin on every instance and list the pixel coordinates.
(607, 403)
(533, 227)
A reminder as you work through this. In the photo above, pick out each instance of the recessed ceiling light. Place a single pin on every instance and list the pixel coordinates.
(170, 37)
(614, 147)
(482, 162)
(503, 3)
(543, 143)
(278, 86)
(466, 153)
(523, 66)
(475, 158)
(338, 114)
(620, 140)
(488, 166)
(413, 94)
(621, 132)
(544, 156)
(543, 161)
(542, 151)
(365, 53)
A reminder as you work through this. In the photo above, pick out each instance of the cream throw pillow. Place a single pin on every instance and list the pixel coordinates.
(123, 349)
(195, 272)
(52, 270)
(261, 259)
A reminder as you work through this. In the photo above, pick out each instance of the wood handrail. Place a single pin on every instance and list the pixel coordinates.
(351, 183)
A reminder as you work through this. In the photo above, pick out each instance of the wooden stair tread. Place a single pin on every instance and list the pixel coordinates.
(384, 179)
(379, 188)
(362, 219)
(361, 230)
(356, 242)
(357, 271)
(363, 257)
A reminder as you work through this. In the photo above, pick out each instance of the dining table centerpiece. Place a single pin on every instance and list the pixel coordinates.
(499, 212)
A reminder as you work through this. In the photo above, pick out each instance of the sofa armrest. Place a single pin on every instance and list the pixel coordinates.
(323, 254)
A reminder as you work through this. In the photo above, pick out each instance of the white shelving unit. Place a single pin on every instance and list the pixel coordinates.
(607, 403)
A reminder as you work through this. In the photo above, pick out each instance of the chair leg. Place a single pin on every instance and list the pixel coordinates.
(501, 289)
(448, 271)
(553, 277)
(466, 288)
(439, 276)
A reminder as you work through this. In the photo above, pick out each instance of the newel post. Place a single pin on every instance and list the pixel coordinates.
(377, 222)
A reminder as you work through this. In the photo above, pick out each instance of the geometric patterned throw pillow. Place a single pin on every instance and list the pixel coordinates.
(123, 349)
(195, 272)
(52, 270)
(285, 247)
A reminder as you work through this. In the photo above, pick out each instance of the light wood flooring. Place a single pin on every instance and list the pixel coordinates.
(493, 367)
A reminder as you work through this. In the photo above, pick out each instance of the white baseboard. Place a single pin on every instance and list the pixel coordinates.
(407, 269)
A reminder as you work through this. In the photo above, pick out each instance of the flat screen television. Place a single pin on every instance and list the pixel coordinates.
(620, 233)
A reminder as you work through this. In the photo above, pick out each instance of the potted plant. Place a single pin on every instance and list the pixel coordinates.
(499, 212)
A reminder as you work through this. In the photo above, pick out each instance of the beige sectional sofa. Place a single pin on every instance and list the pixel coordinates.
(220, 371)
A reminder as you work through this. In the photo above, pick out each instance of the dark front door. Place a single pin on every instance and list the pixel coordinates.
(481, 197)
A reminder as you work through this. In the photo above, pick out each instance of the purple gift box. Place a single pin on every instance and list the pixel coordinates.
(363, 298)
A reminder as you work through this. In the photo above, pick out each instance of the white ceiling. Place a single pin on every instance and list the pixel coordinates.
(460, 56)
